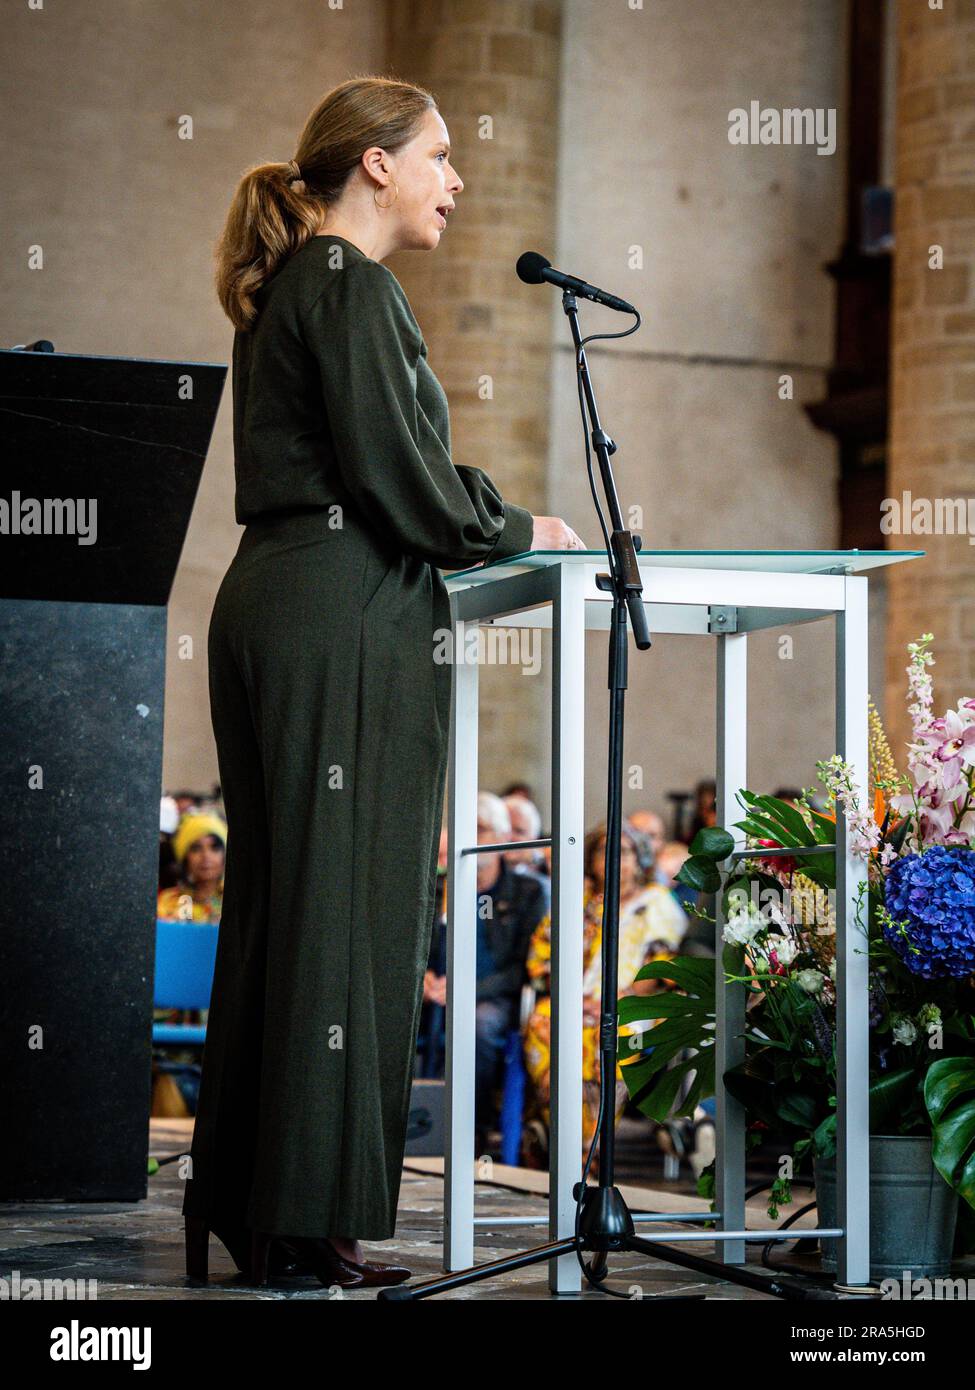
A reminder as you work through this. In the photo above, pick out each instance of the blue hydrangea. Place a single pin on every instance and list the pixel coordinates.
(934, 893)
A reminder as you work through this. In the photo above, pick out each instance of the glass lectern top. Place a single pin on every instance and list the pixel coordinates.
(768, 561)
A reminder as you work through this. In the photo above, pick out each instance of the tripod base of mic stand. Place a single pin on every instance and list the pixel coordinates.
(605, 1225)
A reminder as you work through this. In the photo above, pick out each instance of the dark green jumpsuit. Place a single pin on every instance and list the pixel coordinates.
(331, 716)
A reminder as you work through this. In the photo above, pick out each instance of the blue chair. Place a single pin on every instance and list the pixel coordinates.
(513, 1099)
(186, 953)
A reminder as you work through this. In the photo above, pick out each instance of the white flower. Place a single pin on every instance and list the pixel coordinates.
(741, 929)
(810, 980)
(745, 921)
(903, 1029)
(784, 947)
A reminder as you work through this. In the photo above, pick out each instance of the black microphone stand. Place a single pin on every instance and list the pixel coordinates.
(603, 1221)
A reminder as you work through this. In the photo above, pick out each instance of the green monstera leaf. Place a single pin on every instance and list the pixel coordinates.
(686, 1022)
(949, 1094)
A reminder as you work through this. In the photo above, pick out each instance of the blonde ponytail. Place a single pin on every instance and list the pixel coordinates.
(271, 215)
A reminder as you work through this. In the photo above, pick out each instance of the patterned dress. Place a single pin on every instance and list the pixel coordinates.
(652, 926)
(179, 905)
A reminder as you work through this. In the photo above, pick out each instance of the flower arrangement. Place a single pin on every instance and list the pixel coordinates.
(930, 912)
(917, 921)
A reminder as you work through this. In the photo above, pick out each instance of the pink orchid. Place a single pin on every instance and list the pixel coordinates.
(959, 746)
(936, 820)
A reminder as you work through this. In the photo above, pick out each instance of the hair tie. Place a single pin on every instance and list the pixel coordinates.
(295, 171)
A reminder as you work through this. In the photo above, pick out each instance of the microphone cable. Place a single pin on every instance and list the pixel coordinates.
(592, 338)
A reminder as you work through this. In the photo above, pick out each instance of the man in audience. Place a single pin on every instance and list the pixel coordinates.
(510, 904)
(651, 826)
(526, 824)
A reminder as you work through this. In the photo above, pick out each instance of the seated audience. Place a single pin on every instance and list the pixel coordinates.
(651, 927)
(199, 846)
(510, 906)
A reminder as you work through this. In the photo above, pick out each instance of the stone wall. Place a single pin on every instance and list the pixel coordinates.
(932, 445)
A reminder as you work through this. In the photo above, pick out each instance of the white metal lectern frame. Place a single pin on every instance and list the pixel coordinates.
(724, 594)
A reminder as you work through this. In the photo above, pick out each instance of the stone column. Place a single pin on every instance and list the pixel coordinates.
(494, 70)
(932, 437)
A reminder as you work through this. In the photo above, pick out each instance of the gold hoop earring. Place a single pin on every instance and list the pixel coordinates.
(392, 199)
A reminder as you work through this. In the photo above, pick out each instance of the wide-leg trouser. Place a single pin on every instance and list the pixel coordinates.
(330, 715)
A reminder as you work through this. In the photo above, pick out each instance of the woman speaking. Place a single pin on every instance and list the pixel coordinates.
(329, 710)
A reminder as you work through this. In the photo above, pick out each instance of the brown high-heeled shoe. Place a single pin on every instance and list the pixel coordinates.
(248, 1250)
(332, 1269)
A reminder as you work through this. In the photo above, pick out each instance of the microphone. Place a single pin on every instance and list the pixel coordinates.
(533, 269)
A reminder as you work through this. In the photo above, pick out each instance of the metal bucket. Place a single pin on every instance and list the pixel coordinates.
(912, 1209)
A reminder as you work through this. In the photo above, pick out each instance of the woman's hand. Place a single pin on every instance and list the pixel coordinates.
(552, 533)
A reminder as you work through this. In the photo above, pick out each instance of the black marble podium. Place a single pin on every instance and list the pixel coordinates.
(101, 463)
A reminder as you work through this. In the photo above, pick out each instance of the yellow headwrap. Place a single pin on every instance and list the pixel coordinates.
(193, 827)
